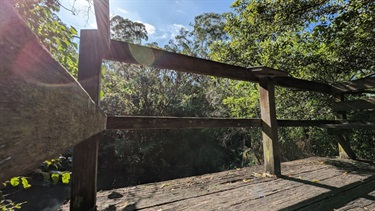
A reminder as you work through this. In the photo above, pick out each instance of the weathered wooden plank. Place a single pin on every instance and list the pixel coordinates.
(346, 151)
(305, 183)
(85, 154)
(147, 122)
(102, 20)
(303, 84)
(43, 109)
(355, 86)
(271, 148)
(136, 54)
(354, 105)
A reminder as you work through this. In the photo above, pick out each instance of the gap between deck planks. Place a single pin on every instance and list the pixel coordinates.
(312, 183)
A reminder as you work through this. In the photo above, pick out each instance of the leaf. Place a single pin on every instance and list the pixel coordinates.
(73, 30)
(14, 181)
(246, 180)
(65, 177)
(101, 94)
(315, 180)
(25, 183)
(47, 162)
(55, 178)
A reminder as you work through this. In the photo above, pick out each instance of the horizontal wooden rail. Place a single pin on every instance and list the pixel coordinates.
(354, 105)
(305, 123)
(43, 110)
(351, 125)
(136, 54)
(142, 122)
(156, 122)
(103, 23)
(355, 86)
(302, 84)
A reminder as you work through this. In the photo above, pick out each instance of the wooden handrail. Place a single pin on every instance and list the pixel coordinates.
(167, 122)
(147, 122)
(137, 54)
(358, 85)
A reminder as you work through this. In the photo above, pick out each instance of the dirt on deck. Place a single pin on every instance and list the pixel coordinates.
(308, 184)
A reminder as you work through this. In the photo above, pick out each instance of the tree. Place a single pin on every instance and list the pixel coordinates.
(327, 41)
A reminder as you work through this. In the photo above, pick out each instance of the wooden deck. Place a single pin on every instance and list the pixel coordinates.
(308, 184)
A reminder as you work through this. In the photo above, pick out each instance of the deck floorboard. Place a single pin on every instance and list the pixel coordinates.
(308, 184)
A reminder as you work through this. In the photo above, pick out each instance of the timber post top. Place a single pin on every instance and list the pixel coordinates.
(262, 71)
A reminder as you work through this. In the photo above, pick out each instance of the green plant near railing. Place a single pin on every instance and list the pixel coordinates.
(50, 170)
(8, 204)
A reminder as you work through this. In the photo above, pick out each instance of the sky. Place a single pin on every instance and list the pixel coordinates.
(162, 18)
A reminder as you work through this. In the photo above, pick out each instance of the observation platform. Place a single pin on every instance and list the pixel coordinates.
(310, 184)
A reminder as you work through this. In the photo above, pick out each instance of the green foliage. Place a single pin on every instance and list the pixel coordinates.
(15, 181)
(126, 30)
(7, 204)
(327, 41)
(57, 37)
(53, 169)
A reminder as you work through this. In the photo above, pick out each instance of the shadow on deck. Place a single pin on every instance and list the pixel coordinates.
(308, 184)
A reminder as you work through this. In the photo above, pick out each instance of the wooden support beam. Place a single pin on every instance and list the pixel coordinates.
(355, 86)
(269, 126)
(346, 150)
(354, 105)
(43, 109)
(102, 20)
(144, 122)
(303, 84)
(85, 154)
(343, 144)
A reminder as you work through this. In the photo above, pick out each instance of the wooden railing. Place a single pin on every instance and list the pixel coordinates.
(44, 110)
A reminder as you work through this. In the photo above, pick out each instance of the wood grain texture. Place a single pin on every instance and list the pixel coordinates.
(85, 154)
(43, 109)
(308, 184)
(271, 148)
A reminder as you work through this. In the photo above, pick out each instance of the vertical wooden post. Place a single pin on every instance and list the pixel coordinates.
(345, 150)
(102, 21)
(269, 126)
(85, 154)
